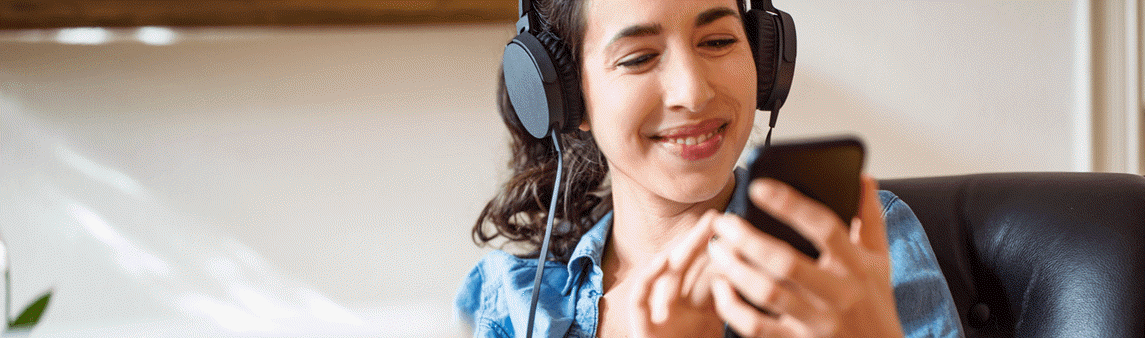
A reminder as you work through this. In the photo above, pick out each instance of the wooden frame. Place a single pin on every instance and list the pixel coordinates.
(1116, 95)
(36, 14)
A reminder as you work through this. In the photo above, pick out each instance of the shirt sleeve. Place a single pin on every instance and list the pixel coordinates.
(922, 298)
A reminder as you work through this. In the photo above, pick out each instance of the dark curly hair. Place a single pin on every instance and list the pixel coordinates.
(518, 211)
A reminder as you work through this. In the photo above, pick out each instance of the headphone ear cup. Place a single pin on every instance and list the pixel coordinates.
(543, 84)
(569, 77)
(533, 84)
(772, 36)
(763, 36)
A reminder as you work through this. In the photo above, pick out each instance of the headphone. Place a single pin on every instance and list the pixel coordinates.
(543, 82)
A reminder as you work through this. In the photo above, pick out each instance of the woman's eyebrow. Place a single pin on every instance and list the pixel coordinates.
(704, 18)
(714, 14)
(636, 31)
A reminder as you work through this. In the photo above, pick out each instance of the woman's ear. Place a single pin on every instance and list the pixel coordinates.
(584, 124)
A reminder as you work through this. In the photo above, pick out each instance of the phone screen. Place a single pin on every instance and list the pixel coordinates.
(826, 169)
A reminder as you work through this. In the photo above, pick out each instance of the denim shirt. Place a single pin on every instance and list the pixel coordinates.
(494, 298)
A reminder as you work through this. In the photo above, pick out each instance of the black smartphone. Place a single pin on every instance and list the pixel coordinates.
(825, 169)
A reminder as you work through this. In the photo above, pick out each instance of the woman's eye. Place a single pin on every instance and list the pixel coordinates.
(718, 43)
(637, 61)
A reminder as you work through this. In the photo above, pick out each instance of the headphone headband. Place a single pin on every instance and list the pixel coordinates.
(524, 19)
(762, 4)
(524, 7)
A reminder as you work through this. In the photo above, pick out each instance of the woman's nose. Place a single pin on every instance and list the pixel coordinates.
(687, 87)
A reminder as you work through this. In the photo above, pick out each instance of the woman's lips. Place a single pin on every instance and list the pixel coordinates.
(695, 142)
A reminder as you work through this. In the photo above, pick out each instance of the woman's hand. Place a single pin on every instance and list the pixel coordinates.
(847, 292)
(670, 297)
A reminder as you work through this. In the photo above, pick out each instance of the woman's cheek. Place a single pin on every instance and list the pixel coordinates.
(623, 112)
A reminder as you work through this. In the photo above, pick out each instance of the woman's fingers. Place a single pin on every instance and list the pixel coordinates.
(766, 287)
(692, 244)
(663, 283)
(696, 286)
(774, 295)
(748, 248)
(870, 230)
(641, 318)
(775, 256)
(747, 320)
(807, 216)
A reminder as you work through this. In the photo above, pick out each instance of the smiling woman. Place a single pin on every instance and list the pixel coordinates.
(670, 91)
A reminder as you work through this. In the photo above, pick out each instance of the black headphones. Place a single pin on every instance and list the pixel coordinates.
(544, 84)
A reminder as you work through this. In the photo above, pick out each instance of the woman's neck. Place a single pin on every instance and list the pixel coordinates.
(644, 224)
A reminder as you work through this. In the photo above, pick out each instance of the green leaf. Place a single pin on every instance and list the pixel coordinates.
(32, 314)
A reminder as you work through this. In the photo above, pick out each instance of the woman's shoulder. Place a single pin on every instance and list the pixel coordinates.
(909, 245)
(497, 262)
(890, 202)
(490, 276)
(497, 291)
(905, 233)
(477, 304)
(499, 267)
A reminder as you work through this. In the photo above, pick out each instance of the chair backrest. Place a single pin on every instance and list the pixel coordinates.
(1038, 254)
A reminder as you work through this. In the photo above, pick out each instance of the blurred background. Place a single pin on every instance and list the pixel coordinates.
(315, 168)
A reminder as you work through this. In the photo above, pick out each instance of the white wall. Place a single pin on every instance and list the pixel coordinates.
(939, 87)
(356, 160)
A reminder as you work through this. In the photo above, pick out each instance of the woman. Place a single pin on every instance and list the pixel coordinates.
(648, 252)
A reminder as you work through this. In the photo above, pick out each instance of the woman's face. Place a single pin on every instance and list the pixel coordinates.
(669, 93)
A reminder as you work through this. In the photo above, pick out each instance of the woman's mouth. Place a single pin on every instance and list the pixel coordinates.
(694, 142)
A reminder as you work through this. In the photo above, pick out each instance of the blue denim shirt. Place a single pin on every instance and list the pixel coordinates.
(494, 298)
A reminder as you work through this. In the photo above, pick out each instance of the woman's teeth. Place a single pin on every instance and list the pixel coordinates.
(691, 140)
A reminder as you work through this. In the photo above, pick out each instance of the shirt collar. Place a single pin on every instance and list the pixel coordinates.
(738, 205)
(589, 251)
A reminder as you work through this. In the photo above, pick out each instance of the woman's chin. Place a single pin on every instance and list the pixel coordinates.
(699, 188)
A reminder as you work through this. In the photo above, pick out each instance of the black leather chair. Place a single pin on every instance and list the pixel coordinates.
(1038, 254)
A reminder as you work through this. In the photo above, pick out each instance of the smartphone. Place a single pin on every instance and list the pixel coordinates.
(825, 169)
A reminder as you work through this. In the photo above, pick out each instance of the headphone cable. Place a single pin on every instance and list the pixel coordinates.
(541, 257)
